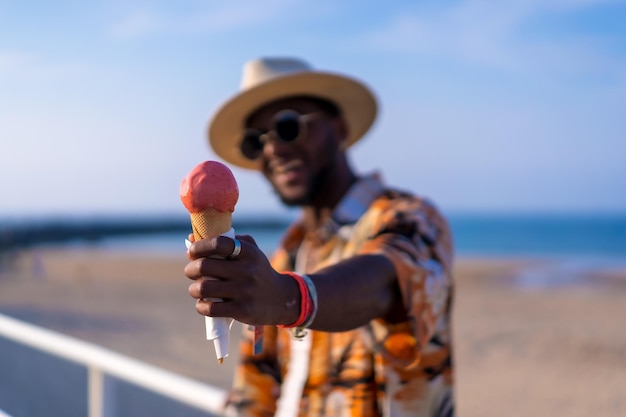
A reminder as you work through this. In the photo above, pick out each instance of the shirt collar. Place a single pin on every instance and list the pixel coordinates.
(358, 199)
(349, 210)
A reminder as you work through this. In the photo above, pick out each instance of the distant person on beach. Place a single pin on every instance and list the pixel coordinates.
(356, 301)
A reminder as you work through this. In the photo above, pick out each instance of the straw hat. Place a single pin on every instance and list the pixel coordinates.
(268, 79)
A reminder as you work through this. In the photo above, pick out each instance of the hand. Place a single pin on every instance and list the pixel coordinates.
(251, 290)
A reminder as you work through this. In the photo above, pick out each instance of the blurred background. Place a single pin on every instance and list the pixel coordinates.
(508, 114)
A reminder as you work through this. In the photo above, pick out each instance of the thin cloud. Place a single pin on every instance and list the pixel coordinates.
(213, 18)
(490, 34)
(12, 62)
(29, 66)
(136, 24)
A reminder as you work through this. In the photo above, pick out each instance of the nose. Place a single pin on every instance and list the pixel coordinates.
(276, 147)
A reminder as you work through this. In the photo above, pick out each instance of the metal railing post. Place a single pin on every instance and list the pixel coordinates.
(95, 392)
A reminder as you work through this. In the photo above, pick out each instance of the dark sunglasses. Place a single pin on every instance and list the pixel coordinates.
(287, 126)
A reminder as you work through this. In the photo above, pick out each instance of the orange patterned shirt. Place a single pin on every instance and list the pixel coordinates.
(381, 369)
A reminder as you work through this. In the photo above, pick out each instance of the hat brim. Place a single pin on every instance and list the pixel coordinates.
(356, 101)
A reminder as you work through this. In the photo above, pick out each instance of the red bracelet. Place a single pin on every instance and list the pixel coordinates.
(305, 301)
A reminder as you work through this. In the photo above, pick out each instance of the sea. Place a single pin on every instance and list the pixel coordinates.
(489, 235)
(572, 245)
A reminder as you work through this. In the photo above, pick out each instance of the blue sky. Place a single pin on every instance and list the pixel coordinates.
(485, 105)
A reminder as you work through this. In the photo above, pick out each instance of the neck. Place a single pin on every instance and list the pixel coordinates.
(335, 188)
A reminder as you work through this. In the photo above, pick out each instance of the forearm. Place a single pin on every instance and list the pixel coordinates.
(355, 291)
(350, 293)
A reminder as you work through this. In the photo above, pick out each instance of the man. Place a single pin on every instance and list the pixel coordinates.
(356, 301)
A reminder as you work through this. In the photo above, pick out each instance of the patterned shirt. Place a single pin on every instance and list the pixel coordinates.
(399, 368)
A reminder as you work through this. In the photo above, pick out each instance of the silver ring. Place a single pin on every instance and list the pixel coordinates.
(236, 250)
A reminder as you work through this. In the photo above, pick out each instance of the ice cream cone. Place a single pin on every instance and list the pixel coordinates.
(210, 192)
(210, 223)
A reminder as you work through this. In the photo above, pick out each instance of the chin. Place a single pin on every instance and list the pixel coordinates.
(293, 201)
(293, 198)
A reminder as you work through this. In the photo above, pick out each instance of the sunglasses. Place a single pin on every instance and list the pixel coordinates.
(287, 126)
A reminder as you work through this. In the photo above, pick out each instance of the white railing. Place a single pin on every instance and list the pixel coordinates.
(101, 362)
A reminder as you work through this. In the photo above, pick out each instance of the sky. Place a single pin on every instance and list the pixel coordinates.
(485, 106)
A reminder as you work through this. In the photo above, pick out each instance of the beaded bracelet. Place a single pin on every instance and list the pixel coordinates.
(308, 305)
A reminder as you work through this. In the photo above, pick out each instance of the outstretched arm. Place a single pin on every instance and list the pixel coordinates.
(350, 293)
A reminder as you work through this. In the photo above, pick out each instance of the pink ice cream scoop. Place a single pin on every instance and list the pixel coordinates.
(210, 185)
(209, 192)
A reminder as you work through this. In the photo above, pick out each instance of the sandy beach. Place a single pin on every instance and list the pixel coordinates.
(524, 347)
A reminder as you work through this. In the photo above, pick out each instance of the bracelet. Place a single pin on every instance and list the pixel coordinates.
(308, 305)
(304, 301)
(313, 296)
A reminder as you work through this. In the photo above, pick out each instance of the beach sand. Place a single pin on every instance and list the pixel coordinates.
(522, 347)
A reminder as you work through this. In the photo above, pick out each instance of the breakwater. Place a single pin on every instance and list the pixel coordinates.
(26, 234)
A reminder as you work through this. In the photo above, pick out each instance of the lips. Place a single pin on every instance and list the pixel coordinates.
(286, 172)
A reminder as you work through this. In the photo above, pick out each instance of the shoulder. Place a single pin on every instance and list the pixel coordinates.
(405, 200)
(409, 222)
(402, 210)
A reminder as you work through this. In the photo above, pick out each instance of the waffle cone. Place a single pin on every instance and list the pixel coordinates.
(210, 223)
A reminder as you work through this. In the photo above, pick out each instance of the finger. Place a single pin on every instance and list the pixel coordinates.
(218, 268)
(195, 269)
(191, 237)
(202, 248)
(212, 288)
(223, 269)
(204, 307)
(220, 247)
(221, 309)
(224, 247)
(247, 238)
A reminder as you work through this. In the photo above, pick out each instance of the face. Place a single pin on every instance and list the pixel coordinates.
(299, 170)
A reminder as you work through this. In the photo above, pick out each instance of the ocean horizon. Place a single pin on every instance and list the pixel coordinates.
(475, 234)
